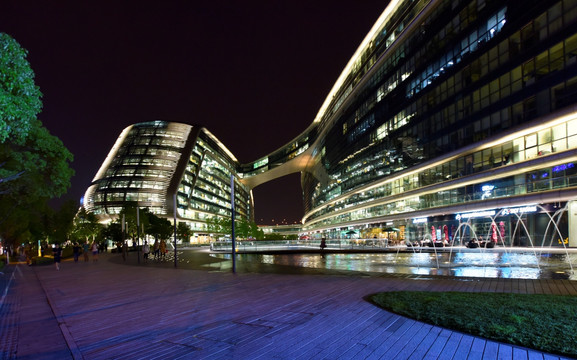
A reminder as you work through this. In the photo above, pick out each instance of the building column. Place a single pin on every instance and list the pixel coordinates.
(572, 219)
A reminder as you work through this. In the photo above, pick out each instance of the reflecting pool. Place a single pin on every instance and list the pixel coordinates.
(489, 264)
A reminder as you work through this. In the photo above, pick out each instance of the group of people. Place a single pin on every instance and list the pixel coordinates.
(158, 250)
(77, 249)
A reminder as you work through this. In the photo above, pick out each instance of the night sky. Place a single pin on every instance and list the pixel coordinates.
(254, 73)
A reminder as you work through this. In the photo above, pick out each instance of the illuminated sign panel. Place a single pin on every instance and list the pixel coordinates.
(563, 167)
(519, 210)
(475, 214)
(419, 220)
(504, 212)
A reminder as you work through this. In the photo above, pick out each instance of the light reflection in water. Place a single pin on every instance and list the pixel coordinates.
(520, 265)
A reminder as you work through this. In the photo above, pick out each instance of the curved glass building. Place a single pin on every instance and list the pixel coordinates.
(160, 165)
(450, 112)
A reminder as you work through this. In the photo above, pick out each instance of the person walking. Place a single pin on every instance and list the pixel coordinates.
(156, 247)
(85, 250)
(76, 251)
(162, 249)
(323, 244)
(57, 252)
(146, 250)
(28, 254)
(124, 250)
(94, 249)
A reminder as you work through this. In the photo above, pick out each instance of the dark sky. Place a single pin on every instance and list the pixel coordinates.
(254, 73)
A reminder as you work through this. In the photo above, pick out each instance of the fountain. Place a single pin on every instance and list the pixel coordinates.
(499, 256)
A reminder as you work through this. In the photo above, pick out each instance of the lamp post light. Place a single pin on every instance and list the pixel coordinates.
(175, 230)
(232, 219)
(137, 233)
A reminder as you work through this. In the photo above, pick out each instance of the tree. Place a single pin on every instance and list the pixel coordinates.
(63, 220)
(34, 165)
(212, 225)
(44, 223)
(53, 225)
(160, 228)
(255, 231)
(42, 163)
(38, 171)
(86, 225)
(219, 225)
(135, 223)
(19, 96)
(113, 231)
(243, 229)
(183, 231)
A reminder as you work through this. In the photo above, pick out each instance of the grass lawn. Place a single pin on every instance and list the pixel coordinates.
(541, 322)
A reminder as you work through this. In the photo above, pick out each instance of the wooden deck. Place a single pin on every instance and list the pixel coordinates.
(113, 310)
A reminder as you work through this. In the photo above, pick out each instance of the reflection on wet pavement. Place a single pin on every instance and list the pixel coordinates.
(502, 263)
(521, 265)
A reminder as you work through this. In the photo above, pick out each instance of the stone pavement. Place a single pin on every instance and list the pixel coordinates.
(112, 309)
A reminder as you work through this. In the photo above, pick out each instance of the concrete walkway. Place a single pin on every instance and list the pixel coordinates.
(112, 309)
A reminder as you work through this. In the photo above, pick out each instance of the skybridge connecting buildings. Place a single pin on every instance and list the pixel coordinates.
(449, 112)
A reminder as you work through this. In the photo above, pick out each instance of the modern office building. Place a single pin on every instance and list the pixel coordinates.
(161, 164)
(449, 112)
(454, 118)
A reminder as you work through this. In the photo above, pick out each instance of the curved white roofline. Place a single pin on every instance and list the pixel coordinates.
(382, 19)
(368, 38)
(219, 143)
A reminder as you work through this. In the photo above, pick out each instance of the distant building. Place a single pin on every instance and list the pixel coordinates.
(454, 119)
(153, 162)
(280, 232)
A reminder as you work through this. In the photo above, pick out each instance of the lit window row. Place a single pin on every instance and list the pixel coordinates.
(554, 139)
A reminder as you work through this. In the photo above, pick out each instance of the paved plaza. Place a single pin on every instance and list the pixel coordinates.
(113, 309)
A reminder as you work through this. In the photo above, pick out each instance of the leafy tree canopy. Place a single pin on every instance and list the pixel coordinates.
(159, 227)
(42, 163)
(113, 231)
(34, 165)
(183, 231)
(86, 226)
(134, 224)
(19, 96)
(243, 228)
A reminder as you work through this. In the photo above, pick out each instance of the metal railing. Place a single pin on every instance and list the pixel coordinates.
(303, 245)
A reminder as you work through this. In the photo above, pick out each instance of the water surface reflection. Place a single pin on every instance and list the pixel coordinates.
(520, 265)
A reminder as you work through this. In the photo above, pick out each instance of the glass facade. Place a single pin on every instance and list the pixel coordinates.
(154, 163)
(448, 108)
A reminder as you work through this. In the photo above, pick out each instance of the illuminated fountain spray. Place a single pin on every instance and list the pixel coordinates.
(496, 236)
(503, 258)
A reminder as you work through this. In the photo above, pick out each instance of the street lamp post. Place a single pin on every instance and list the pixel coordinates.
(137, 233)
(232, 219)
(175, 230)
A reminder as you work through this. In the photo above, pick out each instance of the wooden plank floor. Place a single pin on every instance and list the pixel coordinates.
(113, 310)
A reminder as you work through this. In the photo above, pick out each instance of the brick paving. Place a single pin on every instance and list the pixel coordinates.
(201, 310)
